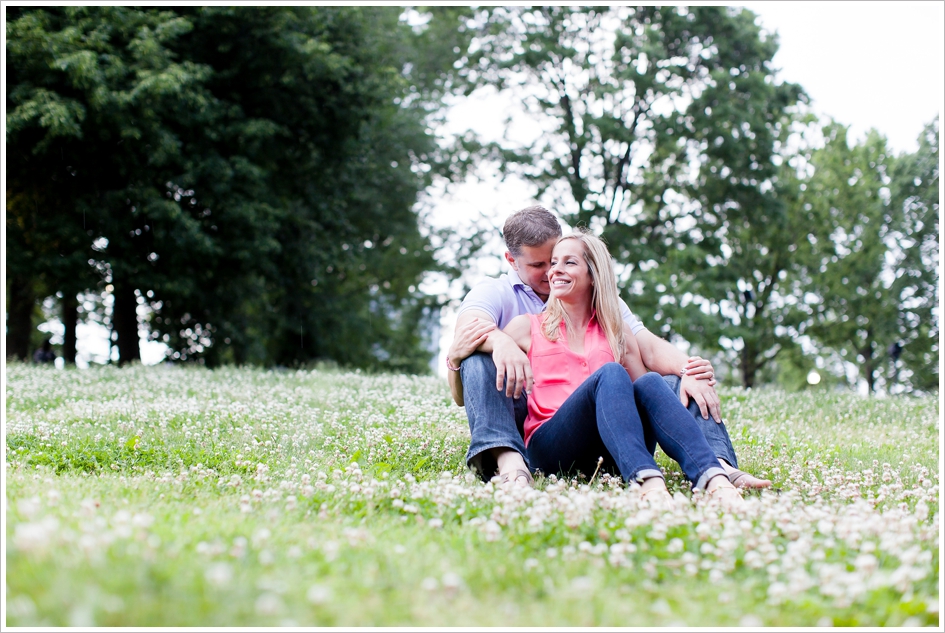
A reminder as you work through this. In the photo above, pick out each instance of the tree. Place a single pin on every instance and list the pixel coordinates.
(915, 209)
(872, 267)
(250, 173)
(94, 95)
(661, 130)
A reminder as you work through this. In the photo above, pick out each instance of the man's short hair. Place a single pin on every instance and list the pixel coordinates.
(532, 226)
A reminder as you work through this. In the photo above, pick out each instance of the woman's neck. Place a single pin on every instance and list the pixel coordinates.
(579, 314)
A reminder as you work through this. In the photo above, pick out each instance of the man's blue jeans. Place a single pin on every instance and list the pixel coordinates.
(605, 418)
(497, 421)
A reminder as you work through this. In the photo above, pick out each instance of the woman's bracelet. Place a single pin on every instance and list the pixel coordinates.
(449, 365)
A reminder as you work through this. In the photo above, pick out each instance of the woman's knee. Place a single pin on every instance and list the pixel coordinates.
(614, 372)
(612, 376)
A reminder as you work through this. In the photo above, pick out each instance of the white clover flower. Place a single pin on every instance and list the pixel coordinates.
(582, 584)
(35, 536)
(319, 594)
(452, 581)
(492, 530)
(268, 604)
(219, 574)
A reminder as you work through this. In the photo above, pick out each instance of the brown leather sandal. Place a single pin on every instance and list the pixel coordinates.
(508, 477)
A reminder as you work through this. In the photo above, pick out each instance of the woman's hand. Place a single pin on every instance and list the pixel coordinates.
(700, 369)
(468, 338)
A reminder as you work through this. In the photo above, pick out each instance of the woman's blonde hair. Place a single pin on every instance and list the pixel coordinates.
(605, 298)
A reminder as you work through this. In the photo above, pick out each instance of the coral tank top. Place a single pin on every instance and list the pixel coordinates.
(558, 371)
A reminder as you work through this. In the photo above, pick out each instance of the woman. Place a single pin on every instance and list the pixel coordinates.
(592, 395)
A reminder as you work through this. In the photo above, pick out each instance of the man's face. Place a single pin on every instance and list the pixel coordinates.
(532, 266)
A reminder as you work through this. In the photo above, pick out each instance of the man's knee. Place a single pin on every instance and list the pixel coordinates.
(673, 382)
(696, 411)
(477, 369)
(649, 382)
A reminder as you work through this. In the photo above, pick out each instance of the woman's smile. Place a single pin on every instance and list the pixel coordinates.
(569, 272)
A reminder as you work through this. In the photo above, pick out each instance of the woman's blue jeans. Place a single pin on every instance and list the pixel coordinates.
(496, 420)
(611, 416)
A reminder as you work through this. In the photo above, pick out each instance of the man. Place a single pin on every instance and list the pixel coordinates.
(493, 387)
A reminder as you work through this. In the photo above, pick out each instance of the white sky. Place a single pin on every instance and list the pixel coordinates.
(867, 64)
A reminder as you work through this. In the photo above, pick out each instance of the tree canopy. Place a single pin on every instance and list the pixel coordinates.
(661, 128)
(870, 263)
(247, 174)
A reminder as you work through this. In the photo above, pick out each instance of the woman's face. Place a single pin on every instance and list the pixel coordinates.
(570, 276)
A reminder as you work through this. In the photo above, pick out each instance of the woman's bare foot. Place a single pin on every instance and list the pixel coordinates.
(653, 491)
(741, 479)
(720, 490)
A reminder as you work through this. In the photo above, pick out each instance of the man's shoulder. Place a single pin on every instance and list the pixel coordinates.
(496, 296)
(492, 286)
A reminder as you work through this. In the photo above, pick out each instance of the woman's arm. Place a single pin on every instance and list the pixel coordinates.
(519, 330)
(632, 359)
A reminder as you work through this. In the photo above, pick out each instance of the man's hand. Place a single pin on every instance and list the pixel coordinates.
(468, 338)
(700, 369)
(512, 367)
(703, 393)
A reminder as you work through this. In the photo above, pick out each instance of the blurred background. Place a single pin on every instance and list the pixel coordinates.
(291, 186)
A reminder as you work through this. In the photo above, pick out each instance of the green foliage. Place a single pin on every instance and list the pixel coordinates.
(667, 132)
(915, 195)
(871, 263)
(662, 126)
(250, 173)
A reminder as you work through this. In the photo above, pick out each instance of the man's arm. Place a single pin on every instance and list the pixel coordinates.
(513, 371)
(663, 357)
(472, 329)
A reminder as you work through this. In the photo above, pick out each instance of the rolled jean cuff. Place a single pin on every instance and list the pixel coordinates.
(647, 473)
(707, 475)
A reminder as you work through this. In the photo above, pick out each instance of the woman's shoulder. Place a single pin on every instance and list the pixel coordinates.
(519, 325)
(520, 329)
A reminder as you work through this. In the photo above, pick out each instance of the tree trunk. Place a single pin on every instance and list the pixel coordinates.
(868, 368)
(749, 366)
(20, 317)
(70, 319)
(125, 322)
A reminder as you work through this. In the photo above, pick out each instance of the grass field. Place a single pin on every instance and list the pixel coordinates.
(171, 496)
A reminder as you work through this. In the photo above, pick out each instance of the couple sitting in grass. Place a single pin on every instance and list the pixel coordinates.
(556, 374)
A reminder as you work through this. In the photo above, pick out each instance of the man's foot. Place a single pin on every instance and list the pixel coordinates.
(512, 468)
(741, 479)
(517, 479)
